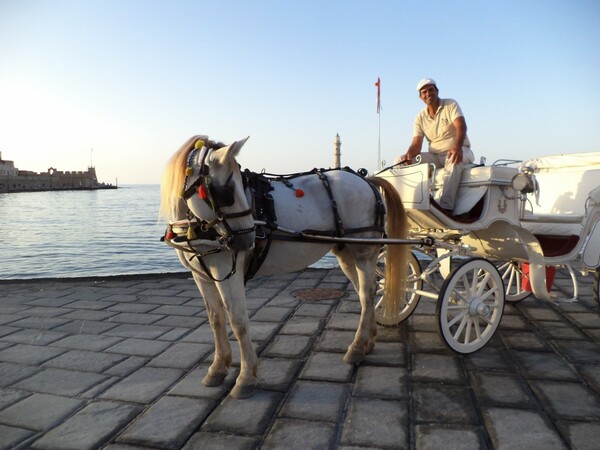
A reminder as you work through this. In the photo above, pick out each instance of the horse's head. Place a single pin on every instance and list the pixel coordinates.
(208, 180)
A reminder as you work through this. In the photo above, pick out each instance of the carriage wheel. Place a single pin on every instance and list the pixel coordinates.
(411, 301)
(470, 305)
(597, 285)
(512, 274)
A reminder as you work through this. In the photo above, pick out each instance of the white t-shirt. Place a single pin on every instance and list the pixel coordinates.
(439, 130)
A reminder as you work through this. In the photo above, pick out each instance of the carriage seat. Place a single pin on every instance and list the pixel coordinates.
(474, 183)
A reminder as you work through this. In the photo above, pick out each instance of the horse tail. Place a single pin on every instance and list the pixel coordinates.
(172, 181)
(396, 255)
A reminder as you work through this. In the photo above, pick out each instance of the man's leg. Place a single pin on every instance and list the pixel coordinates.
(452, 175)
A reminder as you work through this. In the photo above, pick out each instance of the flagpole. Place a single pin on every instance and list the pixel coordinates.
(378, 85)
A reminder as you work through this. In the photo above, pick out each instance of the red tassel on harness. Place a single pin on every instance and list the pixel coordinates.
(203, 192)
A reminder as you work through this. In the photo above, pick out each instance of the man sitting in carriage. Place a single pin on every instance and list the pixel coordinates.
(442, 123)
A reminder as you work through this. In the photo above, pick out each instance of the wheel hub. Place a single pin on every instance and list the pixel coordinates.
(478, 307)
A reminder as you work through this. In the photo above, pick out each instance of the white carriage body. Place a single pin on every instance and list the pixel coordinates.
(556, 224)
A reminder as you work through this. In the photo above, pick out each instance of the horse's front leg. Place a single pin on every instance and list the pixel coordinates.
(216, 316)
(234, 296)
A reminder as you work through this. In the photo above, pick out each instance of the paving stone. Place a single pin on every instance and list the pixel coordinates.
(540, 313)
(335, 341)
(387, 354)
(138, 331)
(170, 310)
(488, 359)
(84, 314)
(136, 318)
(344, 322)
(443, 404)
(39, 411)
(85, 361)
(437, 368)
(60, 382)
(191, 385)
(139, 347)
(585, 320)
(249, 416)
(271, 314)
(428, 342)
(13, 436)
(581, 435)
(87, 342)
(89, 428)
(314, 309)
(316, 401)
(300, 435)
(434, 437)
(517, 428)
(11, 373)
(567, 400)
(544, 365)
(591, 373)
(305, 325)
(263, 331)
(559, 330)
(127, 366)
(579, 351)
(29, 354)
(203, 334)
(510, 322)
(523, 340)
(277, 374)
(376, 423)
(10, 396)
(327, 367)
(220, 441)
(289, 346)
(389, 383)
(33, 337)
(180, 321)
(87, 327)
(182, 355)
(168, 423)
(426, 323)
(494, 389)
(144, 385)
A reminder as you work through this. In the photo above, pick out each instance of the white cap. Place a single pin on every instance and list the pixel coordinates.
(425, 82)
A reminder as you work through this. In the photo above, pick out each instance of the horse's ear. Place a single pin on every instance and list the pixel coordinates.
(234, 149)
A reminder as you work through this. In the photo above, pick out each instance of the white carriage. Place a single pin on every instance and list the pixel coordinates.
(508, 217)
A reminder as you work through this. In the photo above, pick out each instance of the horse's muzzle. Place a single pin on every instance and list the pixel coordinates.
(242, 242)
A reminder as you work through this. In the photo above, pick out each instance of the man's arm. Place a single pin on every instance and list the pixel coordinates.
(455, 154)
(413, 150)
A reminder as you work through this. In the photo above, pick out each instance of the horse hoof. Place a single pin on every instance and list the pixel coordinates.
(353, 357)
(214, 380)
(242, 391)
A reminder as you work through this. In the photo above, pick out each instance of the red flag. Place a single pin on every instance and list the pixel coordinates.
(378, 84)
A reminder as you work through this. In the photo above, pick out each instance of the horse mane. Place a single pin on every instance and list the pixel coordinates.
(171, 204)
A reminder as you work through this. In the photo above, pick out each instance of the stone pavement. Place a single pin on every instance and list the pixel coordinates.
(117, 364)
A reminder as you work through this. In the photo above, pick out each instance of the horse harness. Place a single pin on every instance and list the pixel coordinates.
(188, 235)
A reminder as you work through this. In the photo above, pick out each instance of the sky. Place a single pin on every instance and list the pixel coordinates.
(122, 84)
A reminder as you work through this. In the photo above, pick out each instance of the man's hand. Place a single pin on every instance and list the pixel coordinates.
(455, 155)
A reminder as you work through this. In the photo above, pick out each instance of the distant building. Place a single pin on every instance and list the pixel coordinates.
(15, 180)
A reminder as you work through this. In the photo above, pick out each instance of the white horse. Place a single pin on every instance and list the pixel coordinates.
(214, 232)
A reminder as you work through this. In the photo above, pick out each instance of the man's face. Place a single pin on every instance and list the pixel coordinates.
(429, 94)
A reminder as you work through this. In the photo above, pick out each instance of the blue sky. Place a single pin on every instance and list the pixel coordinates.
(132, 80)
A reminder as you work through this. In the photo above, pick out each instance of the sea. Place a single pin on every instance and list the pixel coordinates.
(71, 234)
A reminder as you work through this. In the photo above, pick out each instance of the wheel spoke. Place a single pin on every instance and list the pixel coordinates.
(486, 295)
(468, 330)
(477, 329)
(461, 326)
(457, 318)
(483, 284)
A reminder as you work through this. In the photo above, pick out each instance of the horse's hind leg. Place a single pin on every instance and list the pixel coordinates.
(216, 316)
(362, 277)
(234, 295)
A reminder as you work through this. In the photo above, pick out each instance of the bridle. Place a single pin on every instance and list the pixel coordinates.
(216, 197)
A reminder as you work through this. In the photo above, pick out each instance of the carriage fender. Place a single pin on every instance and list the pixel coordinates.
(591, 254)
(537, 266)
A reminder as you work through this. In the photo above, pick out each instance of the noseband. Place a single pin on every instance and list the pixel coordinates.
(216, 197)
